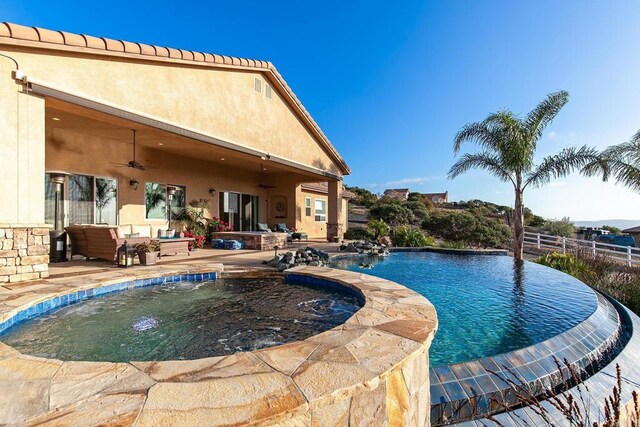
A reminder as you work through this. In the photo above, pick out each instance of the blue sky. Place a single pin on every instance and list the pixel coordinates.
(390, 83)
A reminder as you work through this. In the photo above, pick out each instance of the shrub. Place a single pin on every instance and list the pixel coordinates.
(468, 229)
(611, 229)
(563, 227)
(406, 236)
(567, 263)
(358, 233)
(363, 197)
(601, 273)
(392, 213)
(378, 228)
(418, 209)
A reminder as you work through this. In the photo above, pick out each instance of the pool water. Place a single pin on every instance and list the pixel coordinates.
(186, 320)
(486, 305)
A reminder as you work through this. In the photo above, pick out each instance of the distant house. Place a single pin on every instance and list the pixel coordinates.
(397, 193)
(437, 197)
(635, 232)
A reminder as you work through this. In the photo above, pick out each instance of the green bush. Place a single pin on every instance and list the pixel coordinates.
(567, 263)
(364, 197)
(392, 213)
(563, 227)
(468, 229)
(410, 237)
(601, 273)
(358, 234)
(378, 228)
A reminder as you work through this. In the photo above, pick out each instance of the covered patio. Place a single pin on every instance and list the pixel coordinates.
(124, 122)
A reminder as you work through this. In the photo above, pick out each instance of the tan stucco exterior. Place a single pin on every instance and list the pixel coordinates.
(204, 121)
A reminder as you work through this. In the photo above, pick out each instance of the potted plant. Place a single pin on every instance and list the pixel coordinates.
(148, 252)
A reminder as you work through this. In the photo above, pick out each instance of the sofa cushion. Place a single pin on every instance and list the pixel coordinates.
(123, 230)
(144, 230)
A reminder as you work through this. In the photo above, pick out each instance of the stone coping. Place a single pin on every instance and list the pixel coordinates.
(482, 387)
(371, 370)
(594, 390)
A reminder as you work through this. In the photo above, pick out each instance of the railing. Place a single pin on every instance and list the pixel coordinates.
(625, 254)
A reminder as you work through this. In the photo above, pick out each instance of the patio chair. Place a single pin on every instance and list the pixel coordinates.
(282, 228)
(263, 228)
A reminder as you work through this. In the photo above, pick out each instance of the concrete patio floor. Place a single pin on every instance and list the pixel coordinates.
(243, 258)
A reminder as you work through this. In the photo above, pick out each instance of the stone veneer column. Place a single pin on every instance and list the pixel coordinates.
(335, 229)
(24, 252)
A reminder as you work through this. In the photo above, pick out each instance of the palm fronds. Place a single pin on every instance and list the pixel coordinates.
(486, 161)
(561, 165)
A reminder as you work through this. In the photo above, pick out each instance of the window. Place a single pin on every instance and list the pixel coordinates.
(106, 201)
(155, 196)
(267, 90)
(307, 206)
(258, 85)
(321, 210)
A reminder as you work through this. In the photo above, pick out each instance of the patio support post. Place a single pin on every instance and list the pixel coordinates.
(24, 254)
(335, 228)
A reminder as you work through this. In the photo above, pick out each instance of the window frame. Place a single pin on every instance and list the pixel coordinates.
(307, 206)
(322, 216)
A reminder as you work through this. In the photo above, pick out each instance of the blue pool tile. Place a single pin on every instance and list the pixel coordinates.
(64, 300)
(31, 311)
(40, 308)
(73, 297)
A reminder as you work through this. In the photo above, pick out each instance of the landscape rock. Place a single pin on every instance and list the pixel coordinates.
(302, 256)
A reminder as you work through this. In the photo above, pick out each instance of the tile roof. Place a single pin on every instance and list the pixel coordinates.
(323, 187)
(632, 230)
(63, 40)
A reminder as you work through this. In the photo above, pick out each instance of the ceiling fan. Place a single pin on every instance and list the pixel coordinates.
(134, 164)
(262, 183)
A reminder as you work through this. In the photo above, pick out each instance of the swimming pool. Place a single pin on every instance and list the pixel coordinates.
(486, 305)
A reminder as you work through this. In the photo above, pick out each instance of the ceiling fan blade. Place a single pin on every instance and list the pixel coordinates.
(120, 164)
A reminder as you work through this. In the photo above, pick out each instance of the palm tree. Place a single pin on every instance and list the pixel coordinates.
(621, 161)
(509, 143)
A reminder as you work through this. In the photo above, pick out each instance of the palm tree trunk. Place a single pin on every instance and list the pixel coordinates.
(518, 227)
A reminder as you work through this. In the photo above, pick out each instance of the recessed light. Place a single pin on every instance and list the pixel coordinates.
(222, 158)
(55, 118)
(160, 144)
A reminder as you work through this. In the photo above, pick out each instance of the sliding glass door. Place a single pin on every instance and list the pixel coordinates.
(239, 210)
(84, 199)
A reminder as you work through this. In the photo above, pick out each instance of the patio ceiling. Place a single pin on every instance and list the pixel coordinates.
(77, 119)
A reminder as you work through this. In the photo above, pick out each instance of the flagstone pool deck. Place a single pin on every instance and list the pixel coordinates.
(372, 370)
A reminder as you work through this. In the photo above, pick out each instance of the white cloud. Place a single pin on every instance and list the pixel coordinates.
(552, 134)
(556, 184)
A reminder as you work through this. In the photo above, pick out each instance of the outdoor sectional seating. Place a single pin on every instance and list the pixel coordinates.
(102, 242)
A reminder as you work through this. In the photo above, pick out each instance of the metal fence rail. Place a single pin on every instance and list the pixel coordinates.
(625, 254)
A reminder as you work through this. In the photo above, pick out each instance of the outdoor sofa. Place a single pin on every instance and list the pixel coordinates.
(103, 241)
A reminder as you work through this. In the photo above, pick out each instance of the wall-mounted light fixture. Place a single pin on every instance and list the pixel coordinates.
(212, 191)
(134, 183)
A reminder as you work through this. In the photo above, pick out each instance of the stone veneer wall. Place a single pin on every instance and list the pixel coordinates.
(24, 252)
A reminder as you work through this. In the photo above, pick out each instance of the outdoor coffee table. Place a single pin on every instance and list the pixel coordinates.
(175, 246)
(299, 236)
